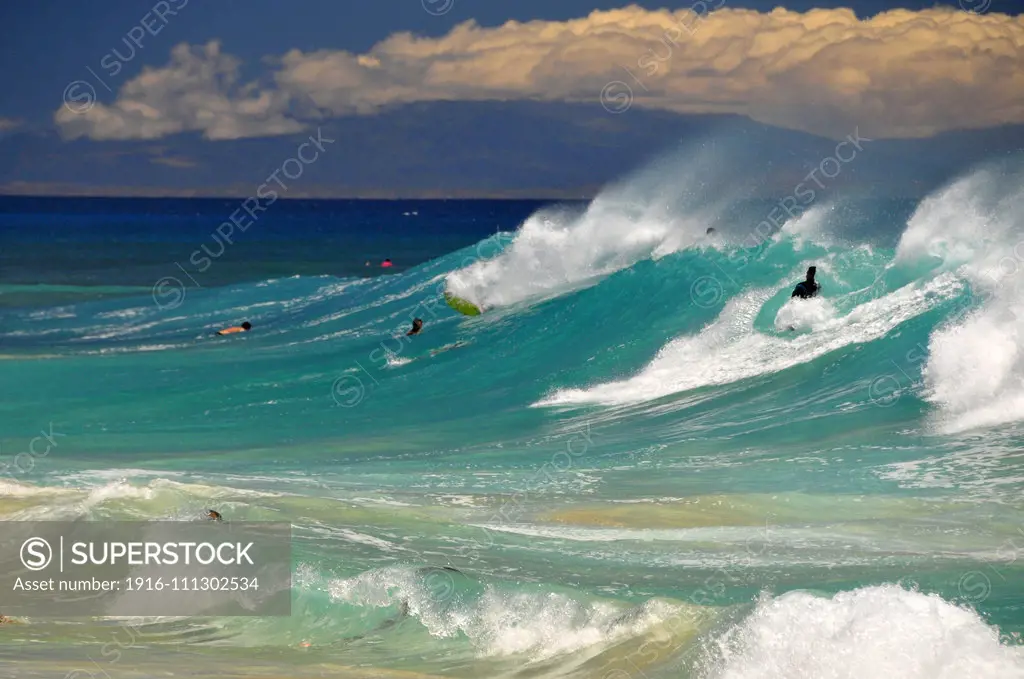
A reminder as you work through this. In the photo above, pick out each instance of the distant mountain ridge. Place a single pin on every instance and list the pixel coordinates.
(477, 149)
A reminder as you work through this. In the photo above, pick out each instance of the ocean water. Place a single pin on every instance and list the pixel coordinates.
(635, 467)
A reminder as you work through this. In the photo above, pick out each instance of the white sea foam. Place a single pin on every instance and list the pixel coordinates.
(730, 349)
(869, 633)
(975, 366)
(654, 213)
(805, 314)
(538, 625)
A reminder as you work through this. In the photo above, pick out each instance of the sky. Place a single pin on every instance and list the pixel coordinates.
(161, 95)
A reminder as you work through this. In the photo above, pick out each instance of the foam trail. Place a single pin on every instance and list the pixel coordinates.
(872, 632)
(975, 367)
(395, 361)
(805, 314)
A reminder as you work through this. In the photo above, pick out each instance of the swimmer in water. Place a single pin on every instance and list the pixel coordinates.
(213, 516)
(386, 263)
(417, 325)
(244, 327)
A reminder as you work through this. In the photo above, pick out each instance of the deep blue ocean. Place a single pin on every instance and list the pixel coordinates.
(644, 459)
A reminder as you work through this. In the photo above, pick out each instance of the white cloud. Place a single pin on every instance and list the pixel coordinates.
(898, 74)
(198, 91)
(8, 124)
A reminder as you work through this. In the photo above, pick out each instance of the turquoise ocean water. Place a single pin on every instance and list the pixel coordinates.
(635, 467)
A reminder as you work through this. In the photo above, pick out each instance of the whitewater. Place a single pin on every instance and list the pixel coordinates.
(645, 459)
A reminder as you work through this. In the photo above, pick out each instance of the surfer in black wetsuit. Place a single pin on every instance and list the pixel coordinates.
(417, 325)
(807, 288)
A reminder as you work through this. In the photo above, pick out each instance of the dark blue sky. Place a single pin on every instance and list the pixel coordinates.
(49, 44)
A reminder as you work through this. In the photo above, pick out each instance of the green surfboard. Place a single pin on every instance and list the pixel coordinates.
(463, 306)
